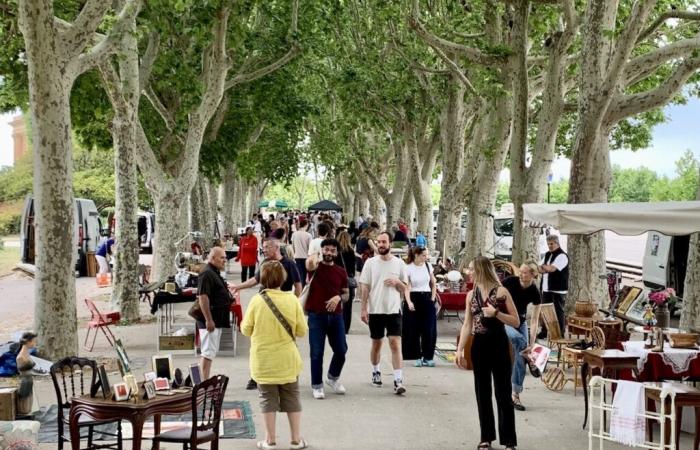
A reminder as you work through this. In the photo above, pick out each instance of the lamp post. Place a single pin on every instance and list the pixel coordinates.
(549, 183)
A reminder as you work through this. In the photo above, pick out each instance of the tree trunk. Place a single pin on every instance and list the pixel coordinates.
(198, 207)
(229, 212)
(54, 210)
(171, 208)
(690, 315)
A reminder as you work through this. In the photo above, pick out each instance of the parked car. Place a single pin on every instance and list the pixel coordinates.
(86, 232)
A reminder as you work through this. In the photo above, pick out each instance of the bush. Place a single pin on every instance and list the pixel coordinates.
(10, 217)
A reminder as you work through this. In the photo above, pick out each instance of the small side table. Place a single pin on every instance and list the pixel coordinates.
(610, 362)
(574, 358)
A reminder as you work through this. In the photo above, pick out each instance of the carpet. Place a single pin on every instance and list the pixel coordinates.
(446, 351)
(236, 423)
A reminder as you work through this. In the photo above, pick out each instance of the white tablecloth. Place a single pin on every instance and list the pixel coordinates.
(677, 358)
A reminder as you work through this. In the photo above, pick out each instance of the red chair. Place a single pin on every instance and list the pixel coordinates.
(100, 321)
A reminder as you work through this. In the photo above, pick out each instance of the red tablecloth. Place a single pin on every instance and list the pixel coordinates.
(453, 301)
(656, 369)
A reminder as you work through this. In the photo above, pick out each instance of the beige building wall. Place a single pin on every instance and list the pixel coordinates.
(19, 135)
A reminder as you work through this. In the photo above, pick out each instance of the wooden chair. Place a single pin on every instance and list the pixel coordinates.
(71, 379)
(555, 335)
(99, 321)
(598, 338)
(207, 398)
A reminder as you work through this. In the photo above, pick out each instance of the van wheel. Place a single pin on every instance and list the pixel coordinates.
(148, 250)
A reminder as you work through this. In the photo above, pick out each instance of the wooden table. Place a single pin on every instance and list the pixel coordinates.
(685, 396)
(610, 362)
(135, 411)
(574, 358)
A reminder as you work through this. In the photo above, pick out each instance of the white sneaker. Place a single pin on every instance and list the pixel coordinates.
(336, 386)
(319, 394)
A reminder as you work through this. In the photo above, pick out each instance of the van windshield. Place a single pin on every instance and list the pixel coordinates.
(503, 227)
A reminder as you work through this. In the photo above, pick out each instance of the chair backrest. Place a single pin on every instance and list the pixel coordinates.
(598, 338)
(96, 314)
(70, 379)
(549, 317)
(207, 399)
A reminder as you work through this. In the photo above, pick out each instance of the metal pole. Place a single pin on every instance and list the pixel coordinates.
(548, 192)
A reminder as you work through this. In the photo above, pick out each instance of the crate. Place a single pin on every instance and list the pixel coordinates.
(104, 279)
(92, 266)
(8, 408)
(176, 342)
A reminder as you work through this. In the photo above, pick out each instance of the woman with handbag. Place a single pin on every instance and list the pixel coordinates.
(419, 330)
(346, 260)
(273, 321)
(489, 309)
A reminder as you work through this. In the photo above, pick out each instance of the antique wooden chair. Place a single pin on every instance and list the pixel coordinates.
(75, 377)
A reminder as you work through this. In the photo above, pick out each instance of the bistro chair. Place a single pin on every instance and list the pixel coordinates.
(207, 400)
(75, 377)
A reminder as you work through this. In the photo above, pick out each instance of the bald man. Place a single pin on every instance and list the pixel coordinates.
(215, 300)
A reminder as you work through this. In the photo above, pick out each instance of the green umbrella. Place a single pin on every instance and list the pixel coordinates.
(272, 204)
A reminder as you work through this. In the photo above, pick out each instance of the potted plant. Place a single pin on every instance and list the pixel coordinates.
(662, 300)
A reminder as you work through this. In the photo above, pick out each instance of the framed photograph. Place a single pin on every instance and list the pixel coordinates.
(124, 364)
(121, 392)
(195, 374)
(150, 389)
(130, 381)
(163, 366)
(149, 376)
(104, 381)
(162, 384)
(627, 296)
(636, 311)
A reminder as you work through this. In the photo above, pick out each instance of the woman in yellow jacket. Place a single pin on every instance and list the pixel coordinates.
(275, 362)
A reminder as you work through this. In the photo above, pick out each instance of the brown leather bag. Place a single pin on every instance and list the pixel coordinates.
(195, 311)
(467, 353)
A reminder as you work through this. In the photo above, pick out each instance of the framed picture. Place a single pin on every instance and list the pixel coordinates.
(124, 364)
(130, 381)
(104, 381)
(163, 366)
(121, 392)
(636, 310)
(149, 376)
(627, 296)
(150, 389)
(162, 384)
(195, 374)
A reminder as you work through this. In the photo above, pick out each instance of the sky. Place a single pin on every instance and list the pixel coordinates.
(671, 139)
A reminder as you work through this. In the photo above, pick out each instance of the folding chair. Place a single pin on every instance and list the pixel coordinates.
(100, 321)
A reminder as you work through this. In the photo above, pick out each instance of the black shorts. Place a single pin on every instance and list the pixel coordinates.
(378, 323)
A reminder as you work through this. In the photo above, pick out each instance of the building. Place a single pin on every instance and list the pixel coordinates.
(19, 135)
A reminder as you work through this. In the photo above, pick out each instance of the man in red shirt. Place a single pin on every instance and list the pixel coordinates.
(329, 288)
(248, 253)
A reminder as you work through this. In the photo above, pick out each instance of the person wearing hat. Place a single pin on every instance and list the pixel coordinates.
(248, 253)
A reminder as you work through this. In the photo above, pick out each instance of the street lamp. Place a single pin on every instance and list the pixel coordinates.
(550, 177)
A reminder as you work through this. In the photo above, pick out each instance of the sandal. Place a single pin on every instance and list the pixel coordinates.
(298, 445)
(534, 371)
(484, 446)
(265, 446)
(517, 404)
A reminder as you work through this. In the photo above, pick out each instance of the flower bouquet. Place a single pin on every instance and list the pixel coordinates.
(664, 297)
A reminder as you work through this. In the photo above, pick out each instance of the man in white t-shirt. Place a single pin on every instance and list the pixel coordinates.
(323, 231)
(300, 241)
(382, 284)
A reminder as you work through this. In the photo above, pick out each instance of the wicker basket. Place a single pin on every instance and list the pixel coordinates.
(585, 309)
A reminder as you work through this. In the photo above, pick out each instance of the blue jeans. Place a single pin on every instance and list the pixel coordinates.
(320, 326)
(301, 266)
(518, 339)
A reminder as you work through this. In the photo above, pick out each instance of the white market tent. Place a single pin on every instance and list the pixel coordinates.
(627, 218)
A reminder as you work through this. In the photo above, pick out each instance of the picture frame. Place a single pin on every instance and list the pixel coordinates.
(626, 297)
(121, 392)
(149, 376)
(636, 310)
(130, 381)
(162, 384)
(195, 374)
(104, 382)
(123, 358)
(150, 390)
(163, 366)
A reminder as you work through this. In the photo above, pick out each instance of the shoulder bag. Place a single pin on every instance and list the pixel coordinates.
(467, 352)
(304, 296)
(352, 282)
(195, 311)
(287, 327)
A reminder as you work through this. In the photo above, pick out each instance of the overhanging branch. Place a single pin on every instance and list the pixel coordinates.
(673, 14)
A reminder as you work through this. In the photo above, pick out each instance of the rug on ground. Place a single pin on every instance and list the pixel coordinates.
(236, 423)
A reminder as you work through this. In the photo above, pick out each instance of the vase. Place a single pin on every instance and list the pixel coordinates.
(585, 309)
(663, 316)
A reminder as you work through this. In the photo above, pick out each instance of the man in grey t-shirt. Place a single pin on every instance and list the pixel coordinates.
(382, 285)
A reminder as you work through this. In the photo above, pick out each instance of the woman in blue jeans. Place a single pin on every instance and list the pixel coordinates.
(523, 290)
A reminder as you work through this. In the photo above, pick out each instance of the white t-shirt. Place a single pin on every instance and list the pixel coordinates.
(300, 241)
(560, 262)
(315, 246)
(419, 277)
(383, 299)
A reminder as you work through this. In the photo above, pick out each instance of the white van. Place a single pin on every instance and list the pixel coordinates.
(147, 229)
(665, 261)
(503, 238)
(86, 232)
(462, 225)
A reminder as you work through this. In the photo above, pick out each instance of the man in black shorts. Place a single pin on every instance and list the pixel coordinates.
(382, 284)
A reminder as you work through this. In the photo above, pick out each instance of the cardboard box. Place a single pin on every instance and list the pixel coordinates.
(91, 264)
(176, 342)
(8, 409)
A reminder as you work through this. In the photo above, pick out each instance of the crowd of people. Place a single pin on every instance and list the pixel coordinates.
(310, 267)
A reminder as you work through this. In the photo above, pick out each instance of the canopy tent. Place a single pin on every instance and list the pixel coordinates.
(627, 218)
(272, 204)
(325, 205)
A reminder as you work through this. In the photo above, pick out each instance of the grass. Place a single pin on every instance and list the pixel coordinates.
(9, 256)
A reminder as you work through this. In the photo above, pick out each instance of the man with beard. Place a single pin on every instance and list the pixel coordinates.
(329, 288)
(382, 284)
